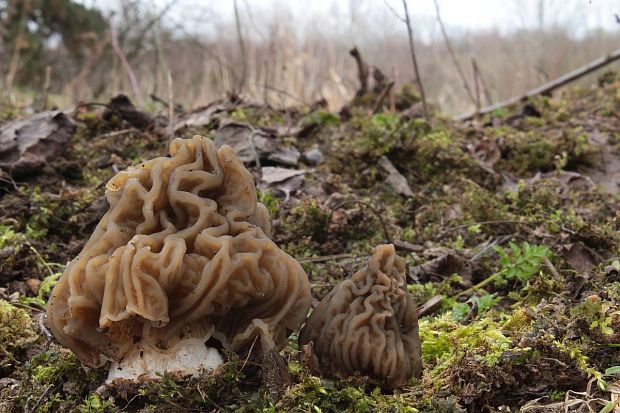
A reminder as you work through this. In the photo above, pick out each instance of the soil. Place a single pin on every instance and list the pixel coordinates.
(511, 237)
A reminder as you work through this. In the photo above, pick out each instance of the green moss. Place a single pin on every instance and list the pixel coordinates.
(17, 332)
(319, 119)
(267, 198)
(445, 341)
(313, 394)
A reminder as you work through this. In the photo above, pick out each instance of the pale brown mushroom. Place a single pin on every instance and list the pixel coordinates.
(368, 324)
(183, 255)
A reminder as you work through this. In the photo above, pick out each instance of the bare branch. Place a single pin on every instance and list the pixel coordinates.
(455, 62)
(415, 64)
(394, 12)
(550, 86)
(362, 71)
(130, 73)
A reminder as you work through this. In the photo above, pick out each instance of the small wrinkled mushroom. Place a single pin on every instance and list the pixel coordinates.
(368, 324)
(182, 256)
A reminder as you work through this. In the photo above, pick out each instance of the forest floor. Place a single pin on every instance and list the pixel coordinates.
(509, 225)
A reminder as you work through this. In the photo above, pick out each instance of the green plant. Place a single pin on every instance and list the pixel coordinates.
(520, 262)
(48, 282)
(8, 236)
(17, 330)
(598, 313)
(482, 304)
(94, 404)
(44, 289)
(271, 202)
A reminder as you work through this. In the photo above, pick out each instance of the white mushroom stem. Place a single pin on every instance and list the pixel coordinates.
(146, 362)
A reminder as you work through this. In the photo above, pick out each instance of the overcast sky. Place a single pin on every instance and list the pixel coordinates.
(458, 15)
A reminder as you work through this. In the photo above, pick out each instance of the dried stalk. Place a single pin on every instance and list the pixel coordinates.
(130, 73)
(19, 40)
(46, 88)
(480, 79)
(170, 105)
(244, 63)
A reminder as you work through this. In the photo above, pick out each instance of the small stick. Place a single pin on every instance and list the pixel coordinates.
(429, 306)
(476, 83)
(455, 62)
(46, 87)
(445, 231)
(550, 86)
(118, 133)
(415, 65)
(130, 73)
(249, 353)
(485, 89)
(554, 271)
(382, 97)
(325, 258)
(407, 246)
(393, 91)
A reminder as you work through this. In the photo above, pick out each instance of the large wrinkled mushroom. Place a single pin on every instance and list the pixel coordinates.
(182, 256)
(368, 324)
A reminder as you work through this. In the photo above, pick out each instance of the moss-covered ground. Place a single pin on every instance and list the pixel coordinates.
(527, 313)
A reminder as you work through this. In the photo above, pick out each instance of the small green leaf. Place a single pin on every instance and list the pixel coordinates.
(608, 407)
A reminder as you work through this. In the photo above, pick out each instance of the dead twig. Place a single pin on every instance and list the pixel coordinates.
(118, 133)
(362, 71)
(125, 63)
(244, 63)
(42, 104)
(45, 393)
(498, 241)
(554, 271)
(17, 47)
(382, 97)
(449, 229)
(178, 108)
(480, 79)
(325, 258)
(415, 64)
(170, 105)
(429, 306)
(407, 246)
(249, 353)
(455, 62)
(548, 87)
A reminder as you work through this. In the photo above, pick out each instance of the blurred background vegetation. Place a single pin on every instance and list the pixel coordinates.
(284, 53)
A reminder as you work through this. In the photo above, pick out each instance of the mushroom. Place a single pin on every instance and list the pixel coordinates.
(182, 257)
(368, 324)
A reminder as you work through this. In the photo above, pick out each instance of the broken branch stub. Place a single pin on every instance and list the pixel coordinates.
(368, 324)
(182, 256)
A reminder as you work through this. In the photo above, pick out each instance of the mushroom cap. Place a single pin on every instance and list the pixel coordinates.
(183, 251)
(368, 324)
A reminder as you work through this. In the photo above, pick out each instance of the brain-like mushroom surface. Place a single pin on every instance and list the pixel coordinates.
(368, 324)
(183, 253)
